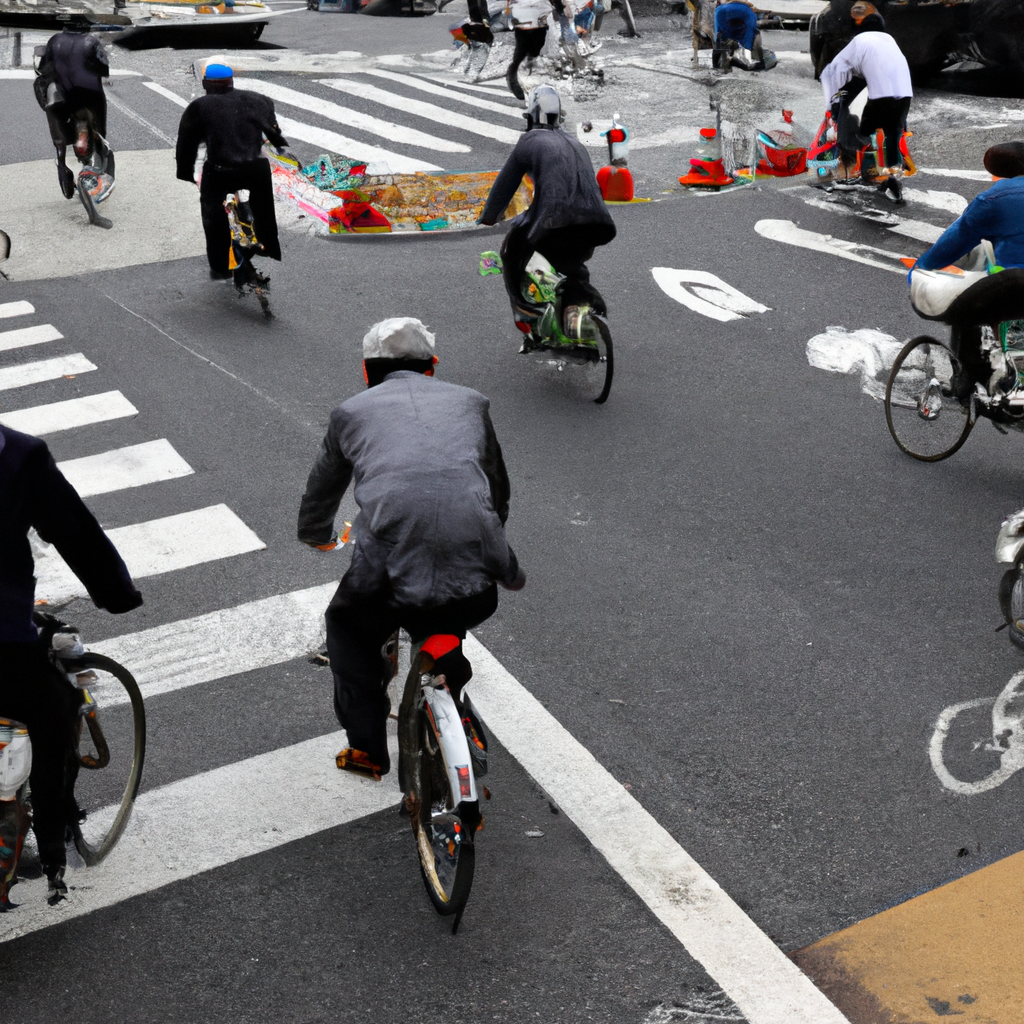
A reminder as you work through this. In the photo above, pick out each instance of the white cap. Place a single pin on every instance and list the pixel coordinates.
(401, 337)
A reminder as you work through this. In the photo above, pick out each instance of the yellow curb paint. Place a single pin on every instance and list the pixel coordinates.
(955, 952)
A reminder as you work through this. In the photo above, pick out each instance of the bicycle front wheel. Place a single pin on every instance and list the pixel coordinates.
(112, 749)
(445, 831)
(925, 418)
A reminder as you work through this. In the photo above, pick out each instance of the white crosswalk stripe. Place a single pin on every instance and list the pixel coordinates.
(353, 118)
(8, 309)
(429, 111)
(487, 90)
(438, 90)
(22, 337)
(75, 412)
(44, 369)
(134, 466)
(156, 547)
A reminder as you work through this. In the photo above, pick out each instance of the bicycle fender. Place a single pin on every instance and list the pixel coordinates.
(451, 737)
(1010, 540)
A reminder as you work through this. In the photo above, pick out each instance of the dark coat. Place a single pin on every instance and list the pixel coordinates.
(431, 487)
(79, 60)
(34, 493)
(565, 189)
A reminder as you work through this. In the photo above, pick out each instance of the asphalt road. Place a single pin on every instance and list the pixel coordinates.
(742, 599)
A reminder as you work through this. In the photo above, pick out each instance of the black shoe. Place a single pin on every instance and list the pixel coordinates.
(892, 189)
(66, 180)
(512, 81)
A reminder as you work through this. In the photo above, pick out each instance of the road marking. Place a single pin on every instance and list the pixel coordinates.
(487, 90)
(15, 309)
(69, 415)
(941, 172)
(439, 90)
(919, 230)
(223, 643)
(951, 202)
(45, 369)
(706, 294)
(166, 93)
(29, 74)
(951, 952)
(138, 118)
(117, 470)
(25, 336)
(428, 111)
(211, 820)
(787, 232)
(1006, 739)
(752, 971)
(156, 547)
(353, 118)
(332, 142)
(868, 352)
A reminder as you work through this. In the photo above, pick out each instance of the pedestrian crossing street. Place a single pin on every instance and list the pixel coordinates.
(149, 548)
(398, 121)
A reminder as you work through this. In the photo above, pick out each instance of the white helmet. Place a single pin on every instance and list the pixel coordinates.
(544, 107)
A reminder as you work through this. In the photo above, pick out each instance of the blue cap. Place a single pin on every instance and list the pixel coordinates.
(213, 72)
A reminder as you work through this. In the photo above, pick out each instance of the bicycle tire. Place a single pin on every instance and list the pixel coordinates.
(926, 421)
(96, 840)
(608, 356)
(1011, 602)
(446, 865)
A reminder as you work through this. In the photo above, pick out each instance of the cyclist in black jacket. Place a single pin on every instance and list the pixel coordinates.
(35, 494)
(233, 123)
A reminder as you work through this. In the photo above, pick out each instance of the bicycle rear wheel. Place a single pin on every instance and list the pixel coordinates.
(112, 751)
(925, 418)
(590, 364)
(445, 830)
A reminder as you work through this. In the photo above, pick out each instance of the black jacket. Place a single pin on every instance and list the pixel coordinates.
(34, 493)
(79, 60)
(232, 124)
(565, 189)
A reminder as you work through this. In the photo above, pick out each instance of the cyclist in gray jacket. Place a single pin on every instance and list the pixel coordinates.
(429, 541)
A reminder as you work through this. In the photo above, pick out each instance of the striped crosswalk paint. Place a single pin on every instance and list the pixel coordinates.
(22, 337)
(156, 547)
(787, 232)
(8, 309)
(353, 118)
(438, 90)
(69, 415)
(418, 108)
(44, 369)
(487, 90)
(134, 466)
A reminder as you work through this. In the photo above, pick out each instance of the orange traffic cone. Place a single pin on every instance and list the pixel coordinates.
(707, 169)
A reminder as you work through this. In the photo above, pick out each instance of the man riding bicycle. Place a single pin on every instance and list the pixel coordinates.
(872, 59)
(567, 219)
(35, 494)
(995, 216)
(77, 111)
(429, 542)
(233, 123)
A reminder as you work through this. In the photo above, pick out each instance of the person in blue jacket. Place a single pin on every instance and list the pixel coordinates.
(35, 494)
(996, 216)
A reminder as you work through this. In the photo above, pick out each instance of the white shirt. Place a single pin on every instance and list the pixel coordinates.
(875, 57)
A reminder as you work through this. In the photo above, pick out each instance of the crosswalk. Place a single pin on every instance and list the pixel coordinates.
(397, 119)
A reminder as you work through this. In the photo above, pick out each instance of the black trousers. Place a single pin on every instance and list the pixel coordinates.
(61, 119)
(216, 183)
(36, 694)
(567, 249)
(992, 300)
(358, 626)
(529, 43)
(889, 115)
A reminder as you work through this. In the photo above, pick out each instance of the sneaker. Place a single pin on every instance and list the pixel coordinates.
(56, 887)
(358, 762)
(769, 61)
(892, 189)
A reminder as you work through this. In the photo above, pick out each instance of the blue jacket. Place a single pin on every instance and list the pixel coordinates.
(34, 492)
(998, 215)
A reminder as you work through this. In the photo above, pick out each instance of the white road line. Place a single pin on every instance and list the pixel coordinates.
(25, 336)
(69, 415)
(419, 84)
(45, 369)
(138, 118)
(428, 111)
(117, 470)
(223, 643)
(332, 142)
(752, 971)
(705, 293)
(951, 202)
(15, 309)
(787, 232)
(28, 74)
(210, 820)
(919, 230)
(166, 93)
(487, 90)
(353, 118)
(942, 172)
(156, 547)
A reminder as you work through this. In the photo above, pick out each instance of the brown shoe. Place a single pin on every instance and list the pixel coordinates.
(358, 762)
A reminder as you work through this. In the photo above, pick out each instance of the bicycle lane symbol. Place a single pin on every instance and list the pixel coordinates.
(706, 294)
(1007, 739)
